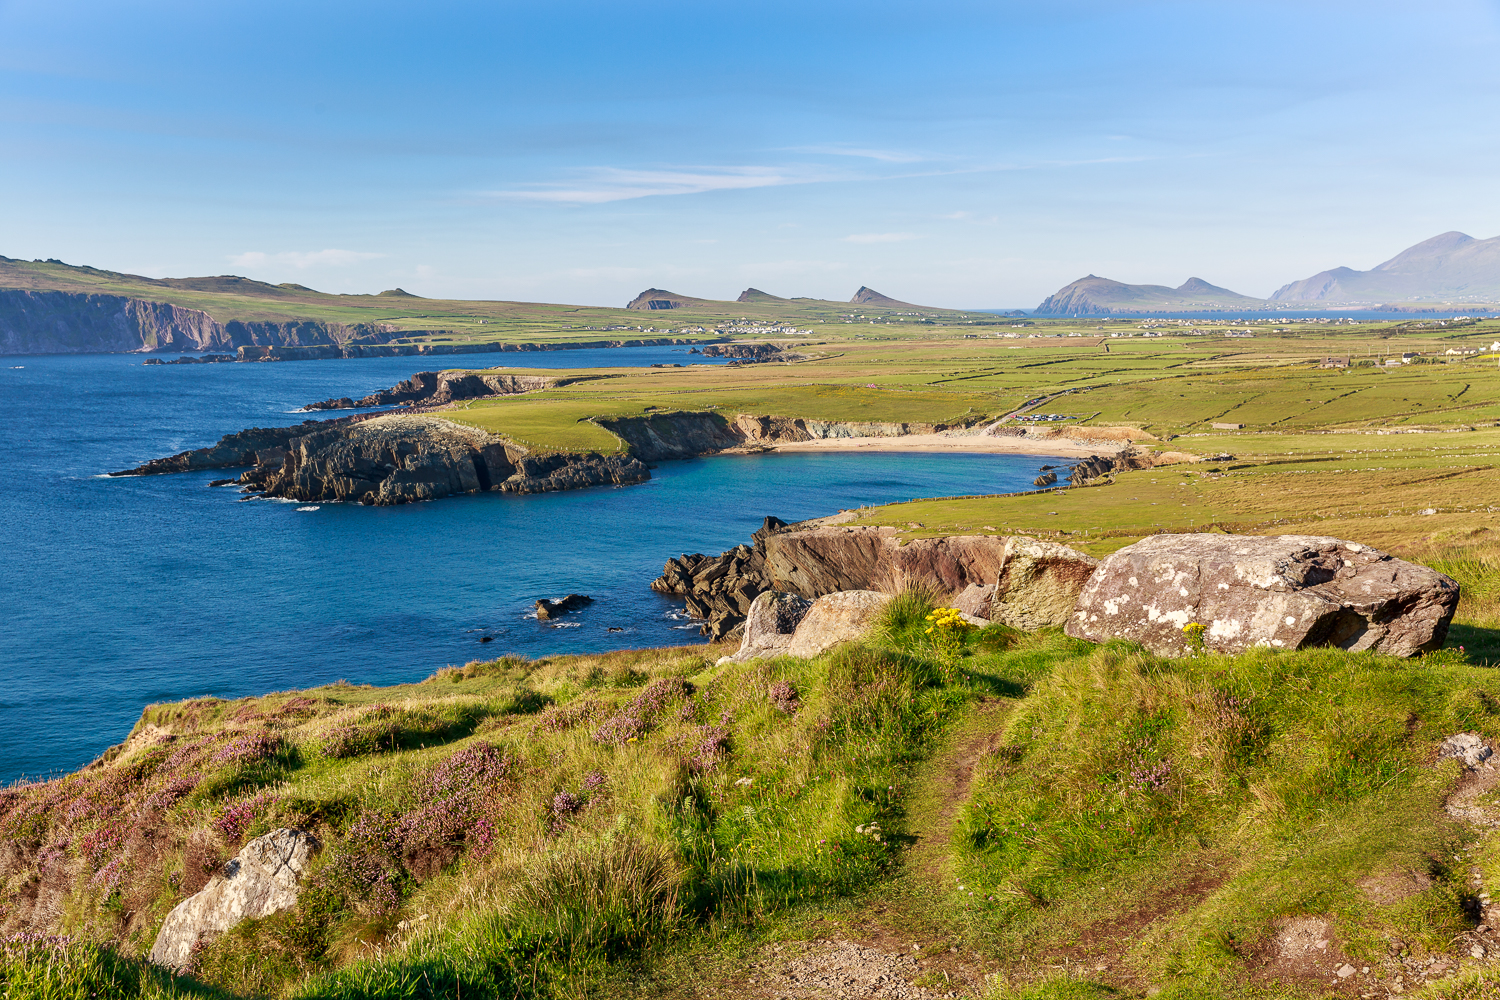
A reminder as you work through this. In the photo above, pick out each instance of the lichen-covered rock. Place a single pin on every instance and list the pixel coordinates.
(836, 618)
(260, 881)
(1470, 748)
(1038, 584)
(1284, 592)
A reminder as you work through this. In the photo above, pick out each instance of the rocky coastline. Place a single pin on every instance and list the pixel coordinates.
(54, 322)
(392, 458)
(385, 459)
(441, 388)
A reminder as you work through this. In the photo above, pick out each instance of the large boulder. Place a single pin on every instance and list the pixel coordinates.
(1038, 583)
(260, 881)
(770, 625)
(1285, 592)
(836, 618)
(781, 624)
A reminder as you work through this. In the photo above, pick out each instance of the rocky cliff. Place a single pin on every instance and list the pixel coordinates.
(438, 388)
(48, 322)
(389, 459)
(665, 436)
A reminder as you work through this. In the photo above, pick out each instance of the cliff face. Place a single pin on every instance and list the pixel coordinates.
(1034, 583)
(666, 436)
(390, 459)
(46, 322)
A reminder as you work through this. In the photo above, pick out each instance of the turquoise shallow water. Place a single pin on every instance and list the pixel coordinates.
(115, 593)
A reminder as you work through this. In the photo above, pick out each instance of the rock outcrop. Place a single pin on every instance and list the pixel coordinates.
(781, 624)
(439, 388)
(1037, 581)
(836, 618)
(235, 450)
(749, 352)
(770, 624)
(1284, 592)
(1095, 466)
(392, 459)
(674, 435)
(260, 881)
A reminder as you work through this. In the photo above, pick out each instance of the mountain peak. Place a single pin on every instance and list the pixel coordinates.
(870, 297)
(1451, 266)
(756, 295)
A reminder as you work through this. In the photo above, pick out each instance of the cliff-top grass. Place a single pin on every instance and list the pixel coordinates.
(1026, 814)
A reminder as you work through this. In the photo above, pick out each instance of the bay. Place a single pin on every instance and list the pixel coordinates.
(116, 593)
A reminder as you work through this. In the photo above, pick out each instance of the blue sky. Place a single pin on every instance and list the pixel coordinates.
(958, 154)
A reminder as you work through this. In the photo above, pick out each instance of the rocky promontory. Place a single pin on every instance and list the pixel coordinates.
(439, 388)
(392, 459)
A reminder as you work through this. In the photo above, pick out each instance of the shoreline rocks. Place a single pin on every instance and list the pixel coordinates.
(1284, 592)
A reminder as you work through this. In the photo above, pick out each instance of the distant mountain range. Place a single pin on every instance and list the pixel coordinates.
(1095, 296)
(659, 298)
(1452, 269)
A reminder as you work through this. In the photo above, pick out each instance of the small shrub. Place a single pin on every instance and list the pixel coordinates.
(784, 696)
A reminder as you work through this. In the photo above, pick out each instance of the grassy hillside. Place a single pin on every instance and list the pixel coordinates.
(457, 321)
(1029, 816)
(1170, 387)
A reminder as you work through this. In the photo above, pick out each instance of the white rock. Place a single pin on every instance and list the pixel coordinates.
(260, 881)
(1470, 748)
(836, 618)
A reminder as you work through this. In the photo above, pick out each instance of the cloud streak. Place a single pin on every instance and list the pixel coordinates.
(302, 259)
(879, 237)
(598, 185)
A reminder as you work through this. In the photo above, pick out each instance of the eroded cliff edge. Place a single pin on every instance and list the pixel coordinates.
(392, 459)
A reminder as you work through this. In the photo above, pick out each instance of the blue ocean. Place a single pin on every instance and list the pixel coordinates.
(116, 593)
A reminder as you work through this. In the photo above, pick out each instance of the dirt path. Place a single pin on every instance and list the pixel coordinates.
(943, 787)
(899, 948)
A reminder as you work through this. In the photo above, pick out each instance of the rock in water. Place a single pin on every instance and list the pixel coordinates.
(260, 881)
(546, 609)
(1285, 592)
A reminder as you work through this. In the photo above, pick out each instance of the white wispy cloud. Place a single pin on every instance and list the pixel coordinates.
(301, 258)
(879, 237)
(883, 155)
(597, 185)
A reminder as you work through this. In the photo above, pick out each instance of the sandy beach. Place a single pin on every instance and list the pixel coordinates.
(1093, 441)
